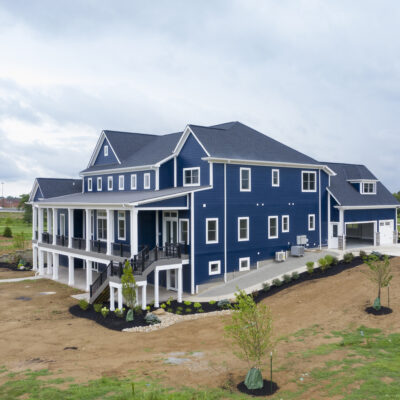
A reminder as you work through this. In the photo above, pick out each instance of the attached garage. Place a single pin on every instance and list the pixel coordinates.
(386, 232)
(360, 234)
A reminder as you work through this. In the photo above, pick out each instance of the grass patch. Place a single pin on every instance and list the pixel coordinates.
(16, 223)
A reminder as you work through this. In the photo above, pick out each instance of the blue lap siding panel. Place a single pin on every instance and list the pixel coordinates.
(171, 203)
(166, 175)
(369, 215)
(104, 160)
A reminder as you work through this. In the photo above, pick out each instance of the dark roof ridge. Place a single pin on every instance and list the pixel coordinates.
(129, 133)
(342, 163)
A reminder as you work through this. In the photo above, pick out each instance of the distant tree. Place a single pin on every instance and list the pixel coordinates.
(397, 195)
(23, 205)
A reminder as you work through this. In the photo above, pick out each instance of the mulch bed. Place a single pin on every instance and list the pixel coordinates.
(111, 321)
(264, 391)
(14, 267)
(382, 311)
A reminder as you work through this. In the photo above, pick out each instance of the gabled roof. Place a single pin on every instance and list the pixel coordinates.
(348, 195)
(52, 187)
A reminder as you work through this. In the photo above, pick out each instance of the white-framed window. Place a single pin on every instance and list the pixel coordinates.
(311, 222)
(214, 267)
(308, 181)
(121, 182)
(89, 184)
(191, 176)
(211, 230)
(368, 187)
(243, 229)
(275, 177)
(285, 223)
(110, 183)
(62, 224)
(106, 151)
(184, 230)
(244, 264)
(133, 182)
(102, 225)
(99, 184)
(121, 225)
(146, 180)
(245, 179)
(273, 227)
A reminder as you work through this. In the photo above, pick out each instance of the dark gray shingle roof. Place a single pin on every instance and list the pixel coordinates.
(348, 195)
(52, 187)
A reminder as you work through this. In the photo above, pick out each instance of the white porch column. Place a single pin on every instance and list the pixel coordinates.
(35, 258)
(110, 231)
(40, 230)
(134, 232)
(41, 262)
(112, 298)
(156, 293)
(71, 272)
(88, 229)
(55, 266)
(168, 271)
(49, 263)
(55, 226)
(144, 301)
(34, 222)
(120, 300)
(49, 221)
(89, 275)
(180, 284)
(70, 226)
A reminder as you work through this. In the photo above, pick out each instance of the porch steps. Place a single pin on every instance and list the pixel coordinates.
(104, 296)
(103, 289)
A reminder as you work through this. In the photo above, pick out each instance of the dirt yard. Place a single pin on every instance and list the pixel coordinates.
(35, 332)
(10, 274)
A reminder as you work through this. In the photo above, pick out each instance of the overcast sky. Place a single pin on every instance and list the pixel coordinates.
(320, 76)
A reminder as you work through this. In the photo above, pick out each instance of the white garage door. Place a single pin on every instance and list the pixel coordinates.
(386, 232)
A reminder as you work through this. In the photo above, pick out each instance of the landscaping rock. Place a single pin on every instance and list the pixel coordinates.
(254, 379)
(159, 311)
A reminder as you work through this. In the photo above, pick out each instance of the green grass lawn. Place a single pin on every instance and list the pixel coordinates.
(16, 223)
(369, 369)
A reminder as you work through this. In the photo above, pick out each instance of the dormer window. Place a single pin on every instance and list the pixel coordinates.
(105, 151)
(191, 176)
(368, 188)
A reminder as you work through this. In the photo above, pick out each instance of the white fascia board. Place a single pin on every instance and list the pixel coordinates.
(183, 139)
(337, 201)
(362, 180)
(271, 164)
(115, 154)
(33, 191)
(119, 170)
(97, 149)
(96, 206)
(376, 207)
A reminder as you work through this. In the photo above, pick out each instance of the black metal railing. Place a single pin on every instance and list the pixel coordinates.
(46, 237)
(62, 240)
(103, 276)
(79, 243)
(121, 250)
(98, 246)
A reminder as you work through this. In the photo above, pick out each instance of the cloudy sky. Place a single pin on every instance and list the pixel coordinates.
(320, 76)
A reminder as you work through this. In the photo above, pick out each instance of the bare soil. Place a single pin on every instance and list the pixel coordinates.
(10, 274)
(35, 333)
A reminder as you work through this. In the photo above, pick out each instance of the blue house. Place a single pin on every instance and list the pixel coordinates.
(191, 207)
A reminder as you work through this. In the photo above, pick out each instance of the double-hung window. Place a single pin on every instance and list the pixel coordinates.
(121, 225)
(101, 225)
(121, 182)
(309, 181)
(245, 179)
(285, 223)
(243, 229)
(133, 182)
(105, 151)
(146, 180)
(99, 184)
(272, 227)
(191, 176)
(110, 183)
(368, 188)
(184, 231)
(311, 222)
(89, 184)
(275, 177)
(211, 230)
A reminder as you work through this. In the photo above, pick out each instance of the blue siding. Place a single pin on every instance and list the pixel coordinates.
(127, 228)
(368, 215)
(166, 175)
(38, 194)
(147, 228)
(78, 223)
(175, 202)
(104, 160)
(324, 208)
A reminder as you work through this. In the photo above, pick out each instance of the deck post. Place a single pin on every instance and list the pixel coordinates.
(112, 298)
(70, 226)
(89, 274)
(41, 262)
(49, 263)
(134, 232)
(40, 229)
(120, 300)
(156, 289)
(110, 230)
(55, 266)
(71, 272)
(34, 222)
(35, 258)
(180, 284)
(49, 222)
(88, 228)
(144, 301)
(55, 226)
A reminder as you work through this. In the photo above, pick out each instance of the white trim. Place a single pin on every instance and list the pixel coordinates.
(337, 201)
(376, 207)
(302, 181)
(225, 228)
(97, 149)
(375, 222)
(183, 139)
(190, 169)
(240, 264)
(311, 216)
(34, 190)
(134, 187)
(240, 179)
(99, 179)
(118, 170)
(247, 238)
(269, 227)
(216, 231)
(288, 224)
(180, 230)
(110, 180)
(362, 191)
(105, 149)
(217, 262)
(97, 225)
(121, 187)
(157, 177)
(192, 260)
(89, 184)
(319, 210)
(175, 172)
(147, 174)
(272, 177)
(362, 180)
(121, 219)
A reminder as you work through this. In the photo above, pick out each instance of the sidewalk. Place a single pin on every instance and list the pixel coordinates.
(27, 278)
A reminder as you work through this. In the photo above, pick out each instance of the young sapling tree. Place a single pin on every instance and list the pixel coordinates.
(129, 289)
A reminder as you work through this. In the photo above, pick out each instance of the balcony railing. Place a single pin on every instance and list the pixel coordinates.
(98, 246)
(79, 243)
(62, 240)
(46, 237)
(121, 250)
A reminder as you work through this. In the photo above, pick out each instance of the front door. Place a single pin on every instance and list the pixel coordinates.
(170, 227)
(333, 242)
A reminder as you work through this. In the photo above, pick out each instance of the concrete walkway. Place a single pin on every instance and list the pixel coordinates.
(27, 278)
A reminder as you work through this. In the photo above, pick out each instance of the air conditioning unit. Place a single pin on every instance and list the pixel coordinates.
(280, 256)
(297, 251)
(301, 240)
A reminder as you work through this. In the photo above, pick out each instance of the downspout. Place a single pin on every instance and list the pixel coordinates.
(225, 234)
(319, 205)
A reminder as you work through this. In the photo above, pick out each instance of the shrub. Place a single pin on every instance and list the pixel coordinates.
(119, 312)
(363, 254)
(148, 308)
(179, 308)
(348, 258)
(287, 278)
(163, 305)
(310, 267)
(138, 310)
(7, 232)
(197, 305)
(200, 310)
(277, 282)
(329, 260)
(323, 264)
(295, 275)
(83, 304)
(335, 261)
(266, 286)
(187, 303)
(152, 319)
(170, 310)
(212, 302)
(179, 312)
(97, 307)
(224, 304)
(104, 312)
(188, 310)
